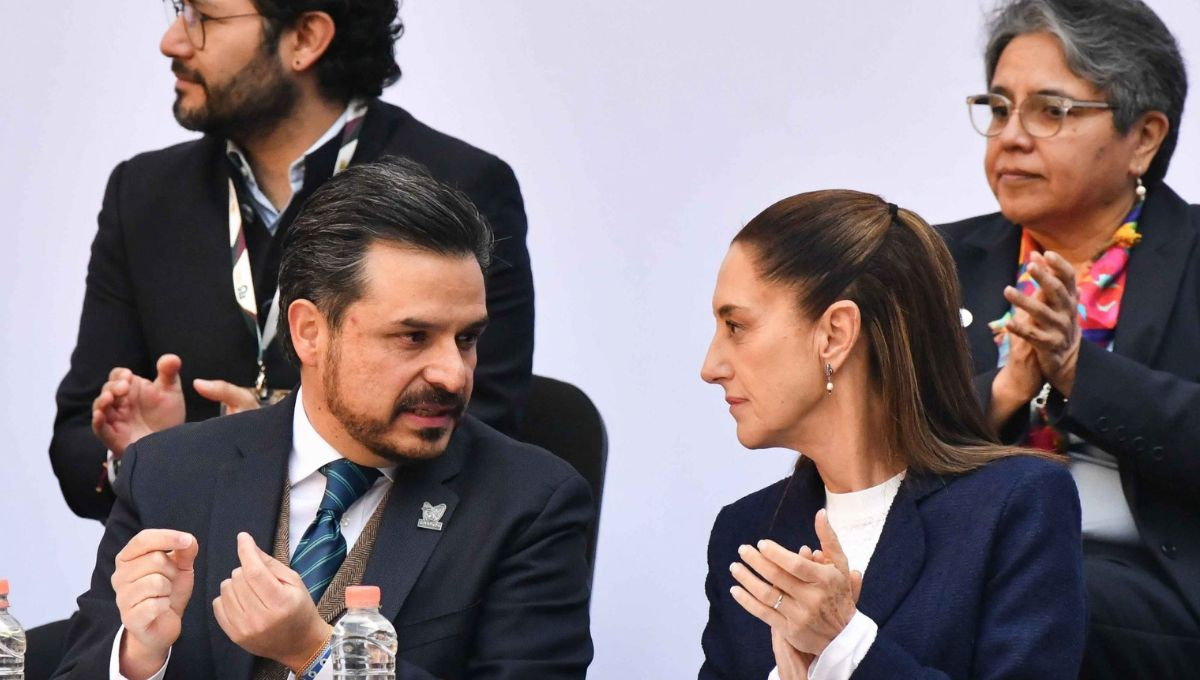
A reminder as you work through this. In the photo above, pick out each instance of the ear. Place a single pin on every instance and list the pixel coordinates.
(1148, 132)
(308, 329)
(837, 332)
(303, 45)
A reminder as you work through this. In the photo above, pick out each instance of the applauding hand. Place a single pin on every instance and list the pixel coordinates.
(130, 407)
(807, 598)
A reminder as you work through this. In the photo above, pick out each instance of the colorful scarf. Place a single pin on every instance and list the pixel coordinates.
(1100, 292)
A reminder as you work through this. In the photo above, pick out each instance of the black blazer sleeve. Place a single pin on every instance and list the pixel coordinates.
(716, 641)
(535, 622)
(110, 335)
(94, 627)
(1148, 418)
(1034, 607)
(506, 348)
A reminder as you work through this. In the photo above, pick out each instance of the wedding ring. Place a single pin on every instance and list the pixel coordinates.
(778, 601)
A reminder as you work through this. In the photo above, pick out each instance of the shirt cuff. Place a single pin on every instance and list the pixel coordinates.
(114, 659)
(843, 654)
(112, 463)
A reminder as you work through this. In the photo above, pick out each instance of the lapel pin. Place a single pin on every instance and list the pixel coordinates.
(431, 516)
(965, 315)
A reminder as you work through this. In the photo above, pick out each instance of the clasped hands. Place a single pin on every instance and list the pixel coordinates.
(130, 407)
(264, 606)
(1044, 332)
(806, 597)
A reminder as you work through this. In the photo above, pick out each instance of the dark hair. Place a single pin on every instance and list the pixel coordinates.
(846, 245)
(1120, 46)
(361, 59)
(394, 201)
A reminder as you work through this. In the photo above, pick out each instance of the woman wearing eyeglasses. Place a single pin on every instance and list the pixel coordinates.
(1082, 305)
(908, 543)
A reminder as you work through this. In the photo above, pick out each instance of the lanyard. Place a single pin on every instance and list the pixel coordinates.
(243, 280)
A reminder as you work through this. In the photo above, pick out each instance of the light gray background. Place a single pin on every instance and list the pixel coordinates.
(643, 133)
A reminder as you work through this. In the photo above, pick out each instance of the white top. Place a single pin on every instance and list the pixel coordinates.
(857, 518)
(307, 485)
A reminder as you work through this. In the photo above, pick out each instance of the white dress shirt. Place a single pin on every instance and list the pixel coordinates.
(857, 518)
(306, 487)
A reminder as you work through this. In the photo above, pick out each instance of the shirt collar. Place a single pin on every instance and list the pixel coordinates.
(310, 451)
(296, 169)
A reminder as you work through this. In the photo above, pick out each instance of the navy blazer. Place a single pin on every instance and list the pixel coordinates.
(974, 576)
(500, 593)
(1141, 401)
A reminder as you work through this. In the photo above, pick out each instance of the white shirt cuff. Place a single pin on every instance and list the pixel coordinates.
(843, 654)
(774, 674)
(111, 468)
(114, 660)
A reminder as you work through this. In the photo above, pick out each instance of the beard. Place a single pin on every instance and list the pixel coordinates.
(252, 102)
(373, 432)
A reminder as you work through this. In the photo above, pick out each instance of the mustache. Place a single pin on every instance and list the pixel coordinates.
(184, 73)
(430, 396)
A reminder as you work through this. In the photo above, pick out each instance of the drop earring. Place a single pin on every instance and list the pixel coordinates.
(1140, 190)
(829, 378)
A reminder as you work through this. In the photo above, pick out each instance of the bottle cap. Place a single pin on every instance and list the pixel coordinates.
(3, 587)
(362, 597)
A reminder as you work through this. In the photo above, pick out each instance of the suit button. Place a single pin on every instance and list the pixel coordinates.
(1120, 432)
(1102, 424)
(1139, 444)
(1157, 453)
(1168, 549)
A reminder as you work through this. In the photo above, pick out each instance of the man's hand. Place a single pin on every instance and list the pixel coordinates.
(130, 407)
(153, 581)
(232, 398)
(265, 608)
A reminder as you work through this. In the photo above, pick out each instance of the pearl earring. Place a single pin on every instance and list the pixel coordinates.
(829, 378)
(1140, 190)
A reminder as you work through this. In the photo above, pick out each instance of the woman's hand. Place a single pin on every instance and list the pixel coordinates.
(790, 663)
(1018, 381)
(1051, 324)
(806, 598)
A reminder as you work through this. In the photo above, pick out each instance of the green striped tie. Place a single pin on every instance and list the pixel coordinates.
(322, 549)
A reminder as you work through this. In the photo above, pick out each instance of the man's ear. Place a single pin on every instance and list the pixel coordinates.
(303, 45)
(837, 332)
(308, 330)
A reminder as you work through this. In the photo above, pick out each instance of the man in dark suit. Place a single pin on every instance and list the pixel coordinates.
(285, 94)
(231, 541)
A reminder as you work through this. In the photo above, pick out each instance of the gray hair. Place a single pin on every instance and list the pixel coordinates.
(394, 201)
(1120, 46)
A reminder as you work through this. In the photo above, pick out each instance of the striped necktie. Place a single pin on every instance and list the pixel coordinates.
(322, 549)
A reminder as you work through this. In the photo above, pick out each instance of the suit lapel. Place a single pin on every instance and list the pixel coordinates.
(1156, 266)
(899, 556)
(382, 121)
(989, 260)
(792, 522)
(402, 549)
(249, 489)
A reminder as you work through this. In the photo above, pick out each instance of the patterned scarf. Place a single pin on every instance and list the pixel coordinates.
(1100, 292)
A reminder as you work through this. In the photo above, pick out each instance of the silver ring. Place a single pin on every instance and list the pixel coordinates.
(778, 601)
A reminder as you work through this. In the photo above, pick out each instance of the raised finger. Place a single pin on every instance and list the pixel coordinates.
(1038, 310)
(803, 569)
(1062, 268)
(148, 540)
(258, 578)
(1054, 291)
(830, 544)
(756, 609)
(764, 591)
(119, 373)
(770, 570)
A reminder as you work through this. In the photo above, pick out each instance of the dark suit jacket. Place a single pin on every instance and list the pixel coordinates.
(500, 592)
(975, 576)
(1141, 401)
(159, 281)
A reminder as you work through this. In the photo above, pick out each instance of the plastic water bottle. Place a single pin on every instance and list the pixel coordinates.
(364, 642)
(12, 640)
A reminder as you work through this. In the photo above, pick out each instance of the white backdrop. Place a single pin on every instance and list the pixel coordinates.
(643, 133)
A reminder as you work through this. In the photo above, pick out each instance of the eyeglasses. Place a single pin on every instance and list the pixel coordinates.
(1041, 115)
(194, 19)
